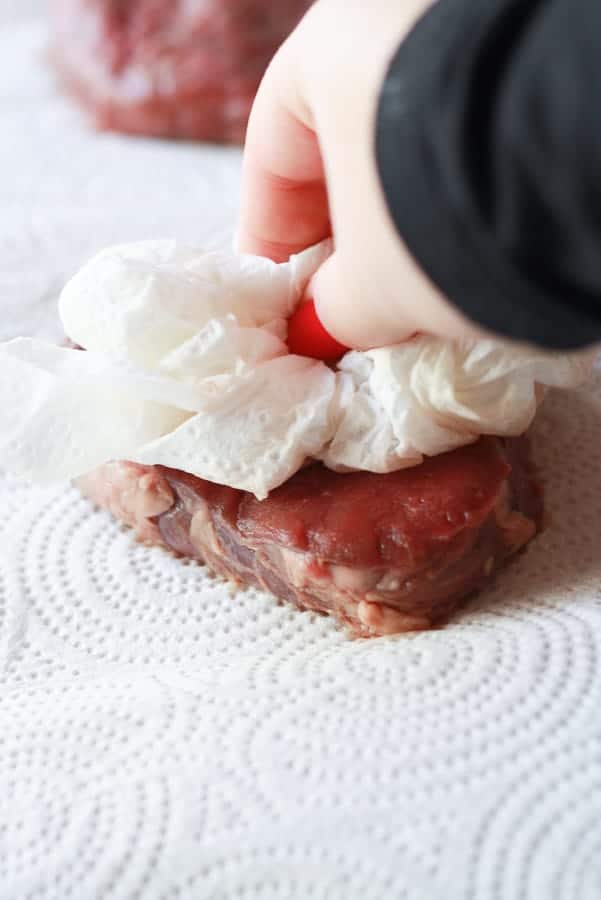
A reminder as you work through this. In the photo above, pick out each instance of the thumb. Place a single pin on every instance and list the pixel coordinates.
(349, 312)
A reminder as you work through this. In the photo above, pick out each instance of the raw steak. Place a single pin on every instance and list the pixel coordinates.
(169, 68)
(382, 553)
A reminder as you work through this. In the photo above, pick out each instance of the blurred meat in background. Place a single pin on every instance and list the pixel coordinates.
(169, 68)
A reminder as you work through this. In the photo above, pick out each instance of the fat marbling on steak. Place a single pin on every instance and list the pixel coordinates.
(382, 553)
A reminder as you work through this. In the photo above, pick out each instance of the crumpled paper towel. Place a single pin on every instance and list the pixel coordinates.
(163, 740)
(187, 367)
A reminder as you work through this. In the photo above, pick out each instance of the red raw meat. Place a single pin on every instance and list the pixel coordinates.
(170, 68)
(382, 553)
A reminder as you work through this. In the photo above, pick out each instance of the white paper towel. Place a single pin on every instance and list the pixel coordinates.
(187, 367)
(163, 740)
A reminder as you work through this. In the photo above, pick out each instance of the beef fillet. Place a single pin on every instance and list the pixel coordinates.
(169, 68)
(382, 553)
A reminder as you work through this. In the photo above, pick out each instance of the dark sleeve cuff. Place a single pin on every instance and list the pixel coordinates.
(434, 130)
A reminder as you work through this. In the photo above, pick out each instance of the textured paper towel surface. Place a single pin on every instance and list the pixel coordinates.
(187, 367)
(162, 740)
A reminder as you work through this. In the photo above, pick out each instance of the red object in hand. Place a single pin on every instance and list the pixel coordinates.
(308, 337)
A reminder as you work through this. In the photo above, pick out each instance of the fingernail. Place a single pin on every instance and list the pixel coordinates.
(308, 337)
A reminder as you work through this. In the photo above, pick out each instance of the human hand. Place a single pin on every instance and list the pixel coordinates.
(310, 172)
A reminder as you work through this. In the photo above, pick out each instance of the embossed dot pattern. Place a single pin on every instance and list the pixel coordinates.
(163, 737)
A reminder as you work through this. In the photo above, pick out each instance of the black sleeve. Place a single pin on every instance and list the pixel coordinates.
(488, 147)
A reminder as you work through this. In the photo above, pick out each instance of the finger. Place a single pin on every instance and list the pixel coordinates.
(347, 313)
(284, 199)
